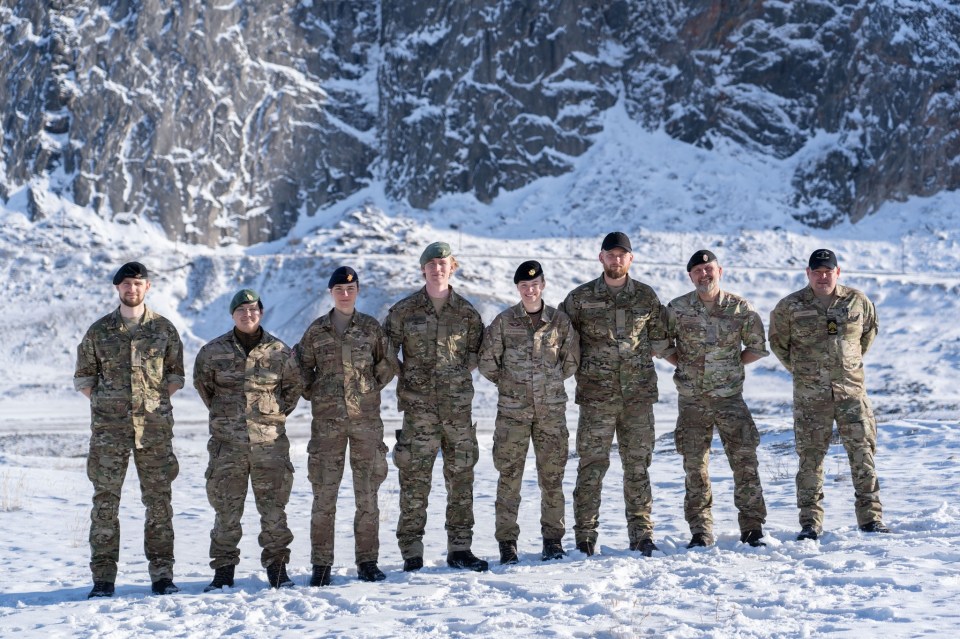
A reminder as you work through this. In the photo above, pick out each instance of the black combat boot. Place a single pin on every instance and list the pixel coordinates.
(412, 564)
(587, 547)
(752, 537)
(101, 589)
(466, 559)
(222, 576)
(164, 587)
(320, 576)
(645, 546)
(277, 576)
(368, 571)
(552, 549)
(874, 527)
(508, 553)
(700, 540)
(809, 532)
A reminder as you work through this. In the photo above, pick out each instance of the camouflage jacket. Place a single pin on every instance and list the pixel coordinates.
(708, 343)
(528, 364)
(824, 348)
(439, 351)
(344, 374)
(249, 396)
(129, 375)
(618, 337)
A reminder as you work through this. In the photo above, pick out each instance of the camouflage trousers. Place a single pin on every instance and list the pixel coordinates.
(632, 422)
(266, 466)
(511, 439)
(739, 436)
(813, 429)
(422, 436)
(106, 468)
(368, 463)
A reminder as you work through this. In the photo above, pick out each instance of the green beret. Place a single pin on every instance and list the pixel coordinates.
(245, 296)
(434, 251)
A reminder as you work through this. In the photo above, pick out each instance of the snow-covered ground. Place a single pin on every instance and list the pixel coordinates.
(671, 199)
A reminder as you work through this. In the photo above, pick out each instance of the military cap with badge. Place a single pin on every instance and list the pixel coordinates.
(703, 256)
(529, 270)
(245, 296)
(343, 275)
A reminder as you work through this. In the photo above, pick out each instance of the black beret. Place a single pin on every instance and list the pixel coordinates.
(529, 270)
(343, 275)
(823, 257)
(703, 256)
(616, 240)
(136, 270)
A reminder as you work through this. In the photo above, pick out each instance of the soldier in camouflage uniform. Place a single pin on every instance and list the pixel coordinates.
(713, 334)
(820, 334)
(620, 324)
(129, 364)
(344, 363)
(528, 351)
(249, 382)
(438, 333)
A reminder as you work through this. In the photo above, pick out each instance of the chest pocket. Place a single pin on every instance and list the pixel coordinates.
(595, 321)
(807, 325)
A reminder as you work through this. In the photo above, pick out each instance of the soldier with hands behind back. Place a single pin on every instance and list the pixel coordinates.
(713, 334)
(250, 384)
(527, 351)
(620, 326)
(344, 362)
(820, 334)
(129, 364)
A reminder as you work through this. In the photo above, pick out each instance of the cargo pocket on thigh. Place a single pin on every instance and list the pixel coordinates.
(467, 454)
(401, 452)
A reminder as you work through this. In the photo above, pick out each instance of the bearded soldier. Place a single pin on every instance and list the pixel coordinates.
(344, 362)
(820, 334)
(437, 334)
(528, 350)
(250, 384)
(620, 326)
(713, 335)
(129, 364)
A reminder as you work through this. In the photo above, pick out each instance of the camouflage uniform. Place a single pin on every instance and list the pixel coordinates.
(823, 348)
(129, 373)
(709, 379)
(528, 364)
(249, 398)
(342, 377)
(616, 390)
(435, 392)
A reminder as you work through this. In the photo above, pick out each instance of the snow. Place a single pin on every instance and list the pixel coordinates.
(672, 199)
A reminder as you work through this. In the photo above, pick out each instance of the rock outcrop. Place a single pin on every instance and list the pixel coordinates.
(225, 123)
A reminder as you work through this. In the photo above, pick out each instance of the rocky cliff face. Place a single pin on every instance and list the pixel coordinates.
(227, 122)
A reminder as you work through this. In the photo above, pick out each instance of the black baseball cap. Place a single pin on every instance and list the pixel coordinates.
(616, 240)
(823, 257)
